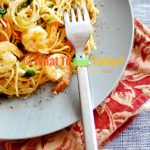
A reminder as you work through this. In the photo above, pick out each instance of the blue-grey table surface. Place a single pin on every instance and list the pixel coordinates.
(137, 135)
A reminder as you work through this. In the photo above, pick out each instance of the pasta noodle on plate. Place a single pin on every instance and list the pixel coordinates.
(31, 30)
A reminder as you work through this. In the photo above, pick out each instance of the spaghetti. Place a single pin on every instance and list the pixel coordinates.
(32, 29)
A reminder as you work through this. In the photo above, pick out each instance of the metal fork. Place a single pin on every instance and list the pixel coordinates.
(78, 31)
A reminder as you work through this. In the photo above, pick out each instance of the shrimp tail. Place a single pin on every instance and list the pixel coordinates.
(59, 87)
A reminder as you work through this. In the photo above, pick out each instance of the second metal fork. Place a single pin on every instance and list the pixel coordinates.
(78, 31)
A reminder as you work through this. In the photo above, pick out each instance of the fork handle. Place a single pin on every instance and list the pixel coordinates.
(87, 109)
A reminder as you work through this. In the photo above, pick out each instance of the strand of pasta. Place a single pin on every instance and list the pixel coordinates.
(21, 22)
(10, 78)
(5, 35)
(16, 79)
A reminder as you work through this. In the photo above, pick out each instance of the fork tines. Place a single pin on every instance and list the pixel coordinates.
(82, 15)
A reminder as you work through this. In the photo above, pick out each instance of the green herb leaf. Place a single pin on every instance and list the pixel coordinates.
(28, 2)
(50, 6)
(57, 67)
(3, 11)
(29, 73)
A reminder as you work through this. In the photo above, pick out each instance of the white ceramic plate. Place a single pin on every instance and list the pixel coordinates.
(44, 113)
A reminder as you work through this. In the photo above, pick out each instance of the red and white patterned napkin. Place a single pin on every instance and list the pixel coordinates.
(115, 113)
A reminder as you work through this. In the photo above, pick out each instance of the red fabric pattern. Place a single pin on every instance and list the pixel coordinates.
(115, 113)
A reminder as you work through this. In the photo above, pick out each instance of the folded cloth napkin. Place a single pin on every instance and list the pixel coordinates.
(115, 113)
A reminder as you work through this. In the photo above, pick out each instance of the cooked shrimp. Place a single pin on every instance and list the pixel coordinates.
(34, 40)
(59, 70)
(8, 53)
(5, 28)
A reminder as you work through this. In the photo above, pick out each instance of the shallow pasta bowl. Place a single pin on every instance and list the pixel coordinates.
(44, 112)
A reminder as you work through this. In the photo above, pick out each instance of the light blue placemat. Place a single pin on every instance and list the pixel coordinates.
(137, 135)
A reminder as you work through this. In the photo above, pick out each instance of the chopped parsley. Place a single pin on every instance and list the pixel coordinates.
(28, 2)
(50, 6)
(3, 11)
(29, 73)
